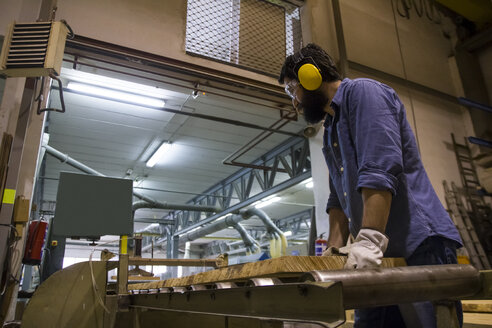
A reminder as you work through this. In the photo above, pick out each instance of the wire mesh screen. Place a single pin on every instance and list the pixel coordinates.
(252, 34)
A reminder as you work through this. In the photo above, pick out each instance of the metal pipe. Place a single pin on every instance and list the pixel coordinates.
(386, 286)
(251, 245)
(228, 221)
(168, 206)
(270, 226)
(231, 159)
(209, 118)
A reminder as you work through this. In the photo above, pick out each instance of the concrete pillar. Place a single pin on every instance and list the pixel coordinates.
(23, 11)
(318, 26)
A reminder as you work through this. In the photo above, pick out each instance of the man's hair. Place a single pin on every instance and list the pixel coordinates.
(327, 67)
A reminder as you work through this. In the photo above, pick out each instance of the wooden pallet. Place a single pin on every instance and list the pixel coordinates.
(282, 267)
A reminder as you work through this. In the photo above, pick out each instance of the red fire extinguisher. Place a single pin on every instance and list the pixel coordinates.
(320, 245)
(35, 241)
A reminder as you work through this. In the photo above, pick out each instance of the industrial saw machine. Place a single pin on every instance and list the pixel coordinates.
(289, 291)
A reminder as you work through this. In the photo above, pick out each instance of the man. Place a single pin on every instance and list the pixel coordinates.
(380, 192)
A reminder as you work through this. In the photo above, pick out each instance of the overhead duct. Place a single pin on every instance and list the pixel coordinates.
(230, 221)
(250, 243)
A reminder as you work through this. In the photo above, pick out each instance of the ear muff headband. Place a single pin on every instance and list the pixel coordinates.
(308, 72)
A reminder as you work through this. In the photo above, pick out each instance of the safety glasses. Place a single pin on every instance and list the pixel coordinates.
(291, 87)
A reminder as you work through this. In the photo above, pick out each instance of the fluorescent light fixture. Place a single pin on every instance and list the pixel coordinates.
(268, 201)
(112, 83)
(116, 94)
(288, 233)
(165, 147)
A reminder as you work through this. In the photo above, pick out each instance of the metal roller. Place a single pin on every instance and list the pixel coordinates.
(224, 285)
(385, 286)
(263, 282)
(178, 289)
(196, 287)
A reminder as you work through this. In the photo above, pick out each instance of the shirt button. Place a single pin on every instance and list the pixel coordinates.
(345, 194)
(341, 169)
(335, 144)
(349, 219)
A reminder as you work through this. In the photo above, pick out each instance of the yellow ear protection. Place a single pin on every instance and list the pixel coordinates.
(308, 73)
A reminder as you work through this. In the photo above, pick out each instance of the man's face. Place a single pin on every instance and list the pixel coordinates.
(310, 103)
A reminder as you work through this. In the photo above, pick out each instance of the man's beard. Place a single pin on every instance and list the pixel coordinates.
(313, 104)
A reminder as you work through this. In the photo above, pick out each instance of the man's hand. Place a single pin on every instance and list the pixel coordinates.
(339, 251)
(367, 250)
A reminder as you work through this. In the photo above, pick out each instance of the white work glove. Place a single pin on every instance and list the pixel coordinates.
(367, 250)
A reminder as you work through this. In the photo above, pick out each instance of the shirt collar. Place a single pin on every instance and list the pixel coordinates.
(337, 99)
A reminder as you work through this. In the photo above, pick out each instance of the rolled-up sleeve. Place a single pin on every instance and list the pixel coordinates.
(332, 199)
(375, 128)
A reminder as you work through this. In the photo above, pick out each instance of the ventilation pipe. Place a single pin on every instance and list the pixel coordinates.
(278, 239)
(252, 246)
(230, 221)
(167, 206)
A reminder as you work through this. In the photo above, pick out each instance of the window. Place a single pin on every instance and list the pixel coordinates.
(252, 34)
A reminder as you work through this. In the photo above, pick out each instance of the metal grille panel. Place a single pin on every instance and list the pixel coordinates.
(252, 34)
(28, 45)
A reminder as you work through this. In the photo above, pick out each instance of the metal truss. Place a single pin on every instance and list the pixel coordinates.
(295, 222)
(281, 168)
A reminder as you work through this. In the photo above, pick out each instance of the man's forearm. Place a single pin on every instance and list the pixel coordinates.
(339, 230)
(377, 204)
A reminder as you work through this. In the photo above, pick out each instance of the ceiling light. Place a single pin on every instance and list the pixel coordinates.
(288, 233)
(165, 147)
(122, 96)
(268, 201)
(112, 83)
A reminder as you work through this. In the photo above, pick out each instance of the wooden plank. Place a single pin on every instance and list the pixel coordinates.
(477, 306)
(482, 319)
(283, 266)
(179, 262)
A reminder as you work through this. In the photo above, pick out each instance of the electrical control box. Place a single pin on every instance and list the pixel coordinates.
(89, 206)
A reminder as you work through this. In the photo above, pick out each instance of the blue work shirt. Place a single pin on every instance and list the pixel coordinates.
(369, 144)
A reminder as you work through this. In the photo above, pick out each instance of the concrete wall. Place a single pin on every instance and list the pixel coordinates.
(485, 59)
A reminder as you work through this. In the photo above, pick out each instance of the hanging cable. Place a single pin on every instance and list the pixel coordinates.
(40, 99)
(70, 35)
